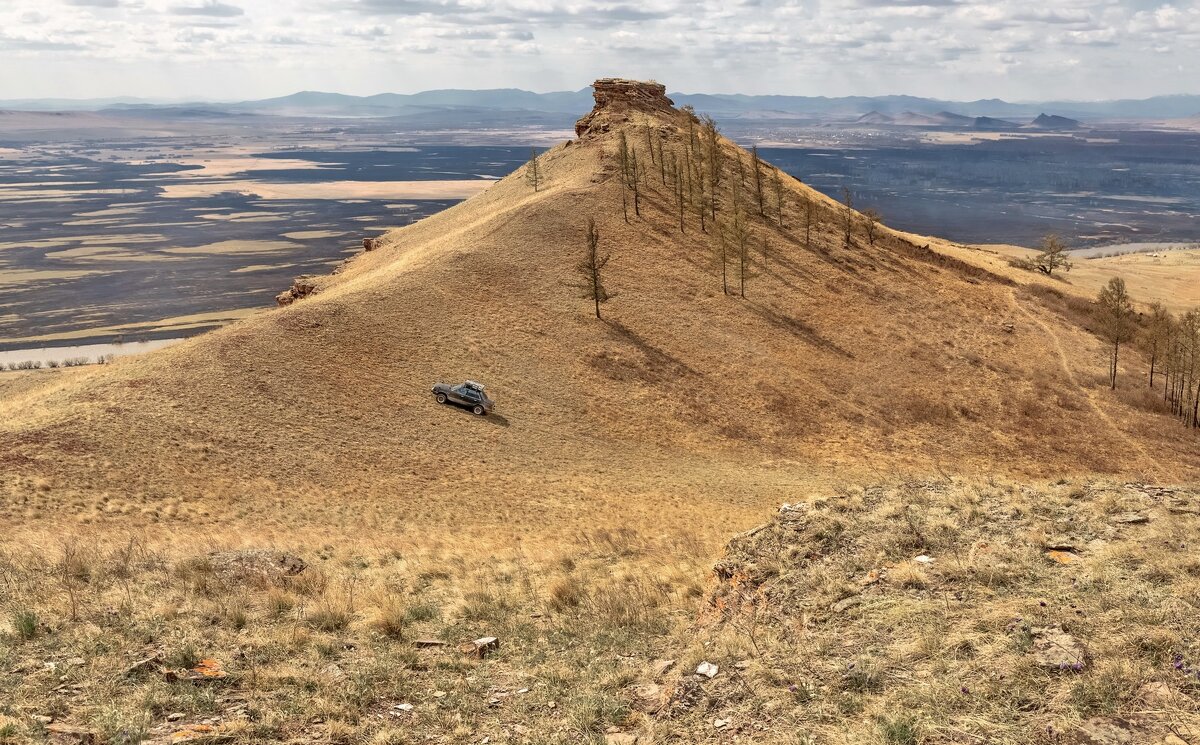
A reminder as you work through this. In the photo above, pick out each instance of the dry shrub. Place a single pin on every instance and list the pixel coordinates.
(920, 409)
(330, 614)
(627, 604)
(1142, 397)
(390, 618)
(910, 576)
(566, 593)
(279, 602)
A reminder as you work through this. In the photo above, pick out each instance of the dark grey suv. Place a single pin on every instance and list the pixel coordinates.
(470, 395)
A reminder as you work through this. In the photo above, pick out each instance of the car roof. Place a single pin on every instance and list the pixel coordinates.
(473, 384)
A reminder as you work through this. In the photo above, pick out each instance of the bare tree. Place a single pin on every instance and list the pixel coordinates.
(712, 146)
(810, 221)
(1053, 256)
(872, 218)
(1157, 334)
(1114, 313)
(650, 144)
(847, 215)
(623, 157)
(778, 195)
(739, 236)
(591, 269)
(758, 183)
(635, 182)
(533, 171)
(677, 176)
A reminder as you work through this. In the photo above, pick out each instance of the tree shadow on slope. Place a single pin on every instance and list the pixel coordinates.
(796, 328)
(657, 363)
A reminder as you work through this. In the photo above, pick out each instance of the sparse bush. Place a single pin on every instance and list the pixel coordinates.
(25, 623)
(184, 657)
(863, 676)
(899, 731)
(390, 618)
(329, 616)
(279, 603)
(421, 612)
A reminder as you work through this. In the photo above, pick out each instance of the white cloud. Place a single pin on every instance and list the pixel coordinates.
(224, 49)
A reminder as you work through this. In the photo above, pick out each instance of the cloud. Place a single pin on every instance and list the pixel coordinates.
(210, 8)
(942, 48)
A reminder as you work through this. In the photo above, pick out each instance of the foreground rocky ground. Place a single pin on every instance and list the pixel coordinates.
(910, 613)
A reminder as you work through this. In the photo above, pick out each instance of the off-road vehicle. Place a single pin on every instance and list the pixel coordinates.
(469, 395)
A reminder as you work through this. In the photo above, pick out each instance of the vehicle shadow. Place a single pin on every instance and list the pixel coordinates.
(495, 419)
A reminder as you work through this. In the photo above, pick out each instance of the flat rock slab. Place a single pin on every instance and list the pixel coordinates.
(1055, 649)
(1131, 518)
(1102, 731)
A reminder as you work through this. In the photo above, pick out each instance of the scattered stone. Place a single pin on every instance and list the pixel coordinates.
(660, 667)
(620, 738)
(42, 719)
(403, 707)
(720, 723)
(1101, 731)
(141, 665)
(647, 697)
(429, 643)
(846, 604)
(872, 577)
(1161, 693)
(76, 661)
(707, 669)
(482, 647)
(523, 690)
(69, 733)
(439, 694)
(370, 244)
(924, 559)
(741, 664)
(1008, 327)
(1055, 649)
(207, 669)
(1131, 518)
(177, 716)
(1061, 557)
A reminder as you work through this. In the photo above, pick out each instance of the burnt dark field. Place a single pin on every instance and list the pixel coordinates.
(1094, 189)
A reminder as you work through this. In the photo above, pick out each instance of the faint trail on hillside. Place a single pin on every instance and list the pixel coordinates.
(1064, 362)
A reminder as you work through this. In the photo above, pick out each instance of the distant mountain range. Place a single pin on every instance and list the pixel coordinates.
(511, 105)
(958, 121)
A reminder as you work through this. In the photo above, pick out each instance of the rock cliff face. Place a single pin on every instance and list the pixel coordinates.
(616, 99)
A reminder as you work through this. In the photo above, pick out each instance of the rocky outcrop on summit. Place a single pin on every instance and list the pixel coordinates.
(617, 98)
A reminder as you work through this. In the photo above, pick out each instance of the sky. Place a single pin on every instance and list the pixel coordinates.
(1019, 50)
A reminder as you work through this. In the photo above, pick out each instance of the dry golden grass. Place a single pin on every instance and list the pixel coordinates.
(623, 454)
(1169, 277)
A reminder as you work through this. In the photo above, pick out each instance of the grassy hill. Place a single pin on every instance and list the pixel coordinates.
(623, 454)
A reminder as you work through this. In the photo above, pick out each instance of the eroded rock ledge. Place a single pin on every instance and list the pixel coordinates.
(617, 98)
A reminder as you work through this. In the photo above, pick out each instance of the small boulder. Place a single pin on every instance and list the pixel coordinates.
(707, 669)
(481, 647)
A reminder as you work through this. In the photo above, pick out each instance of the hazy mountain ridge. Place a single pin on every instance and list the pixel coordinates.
(561, 104)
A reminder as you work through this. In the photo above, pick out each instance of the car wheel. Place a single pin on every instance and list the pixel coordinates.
(441, 398)
(478, 410)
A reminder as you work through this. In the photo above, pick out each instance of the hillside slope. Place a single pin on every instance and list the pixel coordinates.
(683, 403)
